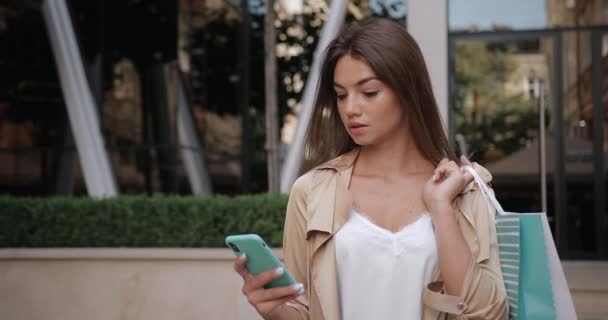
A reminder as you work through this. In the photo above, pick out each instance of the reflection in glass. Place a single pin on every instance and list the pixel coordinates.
(604, 87)
(34, 132)
(496, 113)
(573, 13)
(395, 9)
(487, 15)
(484, 15)
(578, 141)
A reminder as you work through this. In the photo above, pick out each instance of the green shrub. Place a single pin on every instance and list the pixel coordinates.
(139, 221)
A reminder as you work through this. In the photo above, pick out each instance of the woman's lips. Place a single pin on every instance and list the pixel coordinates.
(357, 129)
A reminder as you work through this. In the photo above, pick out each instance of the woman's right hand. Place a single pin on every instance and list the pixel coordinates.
(267, 302)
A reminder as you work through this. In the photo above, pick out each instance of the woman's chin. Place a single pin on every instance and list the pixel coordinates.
(361, 141)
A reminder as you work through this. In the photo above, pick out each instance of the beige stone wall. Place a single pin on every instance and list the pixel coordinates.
(180, 284)
(106, 284)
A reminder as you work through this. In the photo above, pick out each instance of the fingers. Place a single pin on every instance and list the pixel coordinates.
(240, 266)
(265, 300)
(452, 166)
(259, 281)
(444, 169)
(268, 306)
(282, 293)
(438, 174)
(440, 170)
(284, 300)
(465, 161)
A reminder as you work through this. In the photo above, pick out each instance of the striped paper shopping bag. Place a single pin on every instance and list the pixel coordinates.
(532, 272)
(507, 230)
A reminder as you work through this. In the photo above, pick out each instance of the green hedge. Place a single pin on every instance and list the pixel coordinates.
(139, 221)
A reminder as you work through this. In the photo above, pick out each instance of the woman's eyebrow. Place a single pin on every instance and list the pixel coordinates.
(360, 82)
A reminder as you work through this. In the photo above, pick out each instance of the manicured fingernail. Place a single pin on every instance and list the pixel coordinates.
(279, 271)
(298, 288)
(243, 256)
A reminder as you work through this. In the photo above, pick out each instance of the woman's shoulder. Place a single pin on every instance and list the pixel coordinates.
(311, 179)
(323, 174)
(478, 229)
(325, 171)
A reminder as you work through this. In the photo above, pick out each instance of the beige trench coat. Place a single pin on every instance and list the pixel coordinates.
(319, 205)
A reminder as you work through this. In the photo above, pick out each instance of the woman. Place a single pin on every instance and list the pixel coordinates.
(385, 225)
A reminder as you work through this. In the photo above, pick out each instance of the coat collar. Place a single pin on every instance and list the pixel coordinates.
(338, 196)
(343, 162)
(344, 166)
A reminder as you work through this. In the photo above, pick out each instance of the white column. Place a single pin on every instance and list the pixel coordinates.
(191, 149)
(291, 167)
(84, 120)
(427, 22)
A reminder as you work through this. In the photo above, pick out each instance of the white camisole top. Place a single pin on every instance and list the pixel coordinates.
(381, 274)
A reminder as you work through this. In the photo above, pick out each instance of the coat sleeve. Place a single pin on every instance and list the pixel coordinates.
(483, 294)
(294, 242)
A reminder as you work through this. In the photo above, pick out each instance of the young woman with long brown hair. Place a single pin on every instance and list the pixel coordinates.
(383, 224)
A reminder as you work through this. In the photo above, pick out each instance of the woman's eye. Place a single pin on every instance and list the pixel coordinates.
(370, 94)
(340, 96)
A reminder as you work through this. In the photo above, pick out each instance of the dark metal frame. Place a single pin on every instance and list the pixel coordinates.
(243, 89)
(599, 183)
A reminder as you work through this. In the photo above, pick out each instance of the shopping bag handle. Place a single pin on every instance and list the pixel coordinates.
(486, 191)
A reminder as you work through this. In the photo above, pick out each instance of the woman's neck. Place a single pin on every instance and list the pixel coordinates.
(392, 159)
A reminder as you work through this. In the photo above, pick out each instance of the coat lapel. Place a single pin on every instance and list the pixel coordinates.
(344, 201)
(329, 213)
(331, 201)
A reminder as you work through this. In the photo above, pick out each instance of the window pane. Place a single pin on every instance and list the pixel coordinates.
(485, 15)
(499, 89)
(34, 131)
(482, 15)
(578, 142)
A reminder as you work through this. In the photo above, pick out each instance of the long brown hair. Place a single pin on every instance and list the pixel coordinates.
(397, 61)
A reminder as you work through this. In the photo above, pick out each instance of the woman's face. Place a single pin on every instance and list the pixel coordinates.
(369, 109)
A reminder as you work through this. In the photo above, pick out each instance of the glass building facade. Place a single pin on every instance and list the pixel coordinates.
(528, 97)
(528, 92)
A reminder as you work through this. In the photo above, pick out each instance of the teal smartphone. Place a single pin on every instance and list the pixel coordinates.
(259, 257)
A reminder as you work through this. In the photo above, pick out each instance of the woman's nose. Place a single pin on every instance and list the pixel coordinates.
(353, 106)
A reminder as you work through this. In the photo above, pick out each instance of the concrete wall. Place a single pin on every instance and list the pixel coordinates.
(71, 284)
(103, 284)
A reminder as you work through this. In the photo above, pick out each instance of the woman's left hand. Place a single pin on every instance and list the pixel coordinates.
(447, 182)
